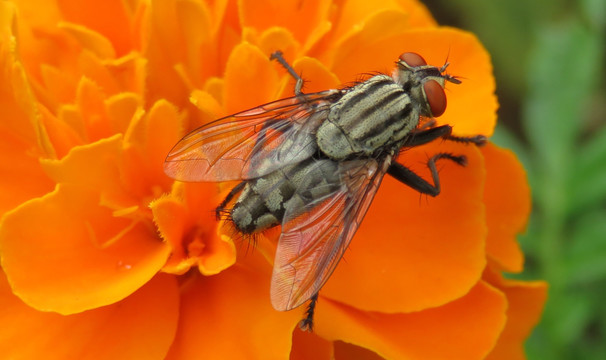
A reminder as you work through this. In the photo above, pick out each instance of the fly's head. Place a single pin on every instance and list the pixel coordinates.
(424, 83)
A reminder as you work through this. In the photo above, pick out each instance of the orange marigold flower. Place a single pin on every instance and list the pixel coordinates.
(106, 257)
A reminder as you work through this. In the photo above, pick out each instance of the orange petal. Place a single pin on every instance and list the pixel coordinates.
(507, 199)
(108, 18)
(468, 60)
(20, 117)
(23, 178)
(429, 334)
(65, 253)
(418, 15)
(413, 252)
(70, 115)
(279, 38)
(61, 134)
(58, 84)
(41, 41)
(142, 326)
(209, 107)
(355, 13)
(90, 40)
(163, 129)
(121, 109)
(196, 22)
(301, 18)
(164, 47)
(95, 68)
(129, 72)
(229, 316)
(186, 220)
(250, 79)
(306, 345)
(147, 141)
(90, 100)
(526, 301)
(95, 166)
(344, 351)
(372, 29)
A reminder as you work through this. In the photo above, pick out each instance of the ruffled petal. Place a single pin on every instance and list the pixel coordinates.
(345, 350)
(147, 141)
(141, 326)
(60, 133)
(250, 79)
(90, 40)
(355, 14)
(526, 301)
(307, 345)
(29, 180)
(78, 255)
(186, 221)
(95, 166)
(110, 19)
(90, 102)
(121, 109)
(429, 334)
(196, 23)
(164, 47)
(302, 18)
(207, 103)
(413, 252)
(507, 199)
(20, 115)
(229, 316)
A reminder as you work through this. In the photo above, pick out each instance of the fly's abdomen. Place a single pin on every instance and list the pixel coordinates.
(264, 201)
(374, 114)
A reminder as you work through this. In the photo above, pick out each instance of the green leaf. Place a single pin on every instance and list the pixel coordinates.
(568, 326)
(595, 11)
(585, 262)
(561, 78)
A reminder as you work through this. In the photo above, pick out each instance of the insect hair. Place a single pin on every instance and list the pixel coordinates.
(238, 237)
(360, 78)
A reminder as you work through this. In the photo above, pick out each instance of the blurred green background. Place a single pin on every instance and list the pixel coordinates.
(549, 60)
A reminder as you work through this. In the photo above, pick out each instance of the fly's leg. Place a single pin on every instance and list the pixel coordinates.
(479, 140)
(410, 178)
(277, 55)
(421, 137)
(222, 207)
(307, 323)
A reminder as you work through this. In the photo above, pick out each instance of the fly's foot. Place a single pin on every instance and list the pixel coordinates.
(307, 323)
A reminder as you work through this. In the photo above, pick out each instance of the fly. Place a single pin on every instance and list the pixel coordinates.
(312, 163)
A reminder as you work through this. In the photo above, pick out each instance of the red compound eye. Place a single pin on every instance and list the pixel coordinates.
(435, 97)
(412, 59)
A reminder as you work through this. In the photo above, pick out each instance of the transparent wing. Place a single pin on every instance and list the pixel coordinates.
(252, 143)
(312, 243)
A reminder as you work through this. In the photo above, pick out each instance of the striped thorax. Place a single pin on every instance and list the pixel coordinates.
(376, 115)
(369, 117)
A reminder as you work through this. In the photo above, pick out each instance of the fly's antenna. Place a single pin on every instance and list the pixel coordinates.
(450, 78)
(446, 61)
